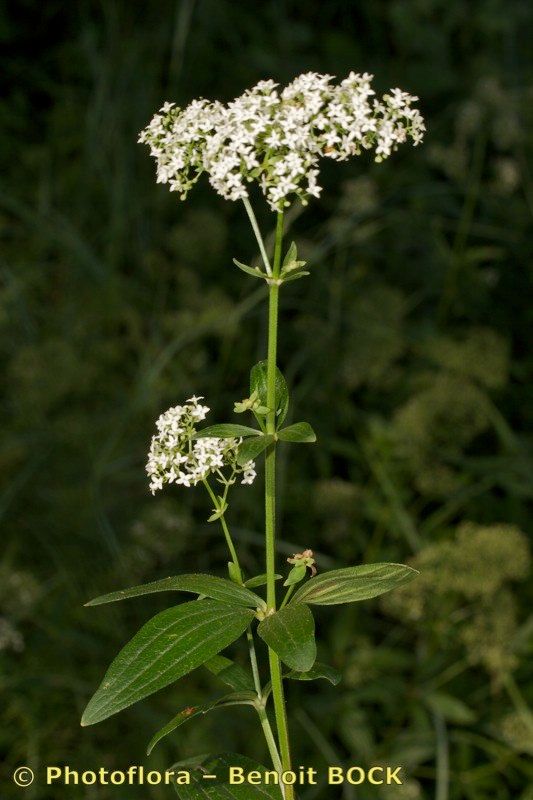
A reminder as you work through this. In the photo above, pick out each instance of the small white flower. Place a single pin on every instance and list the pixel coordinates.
(249, 473)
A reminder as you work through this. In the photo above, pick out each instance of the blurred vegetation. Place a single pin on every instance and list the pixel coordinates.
(406, 349)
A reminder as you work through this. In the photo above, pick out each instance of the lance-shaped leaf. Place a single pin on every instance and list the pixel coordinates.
(300, 432)
(226, 431)
(230, 673)
(291, 254)
(260, 580)
(291, 262)
(290, 632)
(316, 672)
(353, 583)
(251, 448)
(220, 788)
(186, 714)
(169, 646)
(258, 383)
(207, 585)
(255, 271)
(294, 276)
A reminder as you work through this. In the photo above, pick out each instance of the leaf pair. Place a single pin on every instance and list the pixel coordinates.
(292, 268)
(175, 641)
(290, 632)
(300, 432)
(183, 637)
(252, 447)
(256, 441)
(258, 388)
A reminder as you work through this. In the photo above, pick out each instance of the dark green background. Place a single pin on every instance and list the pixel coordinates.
(407, 349)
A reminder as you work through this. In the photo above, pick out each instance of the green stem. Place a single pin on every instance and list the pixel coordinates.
(270, 459)
(286, 599)
(225, 528)
(270, 505)
(259, 238)
(253, 661)
(260, 708)
(271, 743)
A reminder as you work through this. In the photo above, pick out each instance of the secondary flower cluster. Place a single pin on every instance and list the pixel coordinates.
(177, 457)
(277, 137)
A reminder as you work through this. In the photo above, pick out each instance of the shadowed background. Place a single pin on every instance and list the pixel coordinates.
(406, 349)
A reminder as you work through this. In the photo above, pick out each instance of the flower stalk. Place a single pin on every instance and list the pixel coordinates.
(225, 529)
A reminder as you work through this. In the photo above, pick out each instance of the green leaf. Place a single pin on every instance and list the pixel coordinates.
(291, 255)
(290, 262)
(290, 632)
(197, 583)
(294, 276)
(226, 431)
(299, 432)
(233, 699)
(219, 788)
(353, 583)
(296, 575)
(234, 572)
(219, 511)
(169, 646)
(255, 271)
(258, 383)
(260, 580)
(292, 267)
(230, 673)
(316, 672)
(251, 448)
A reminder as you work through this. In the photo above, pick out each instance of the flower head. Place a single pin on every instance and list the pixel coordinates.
(305, 559)
(176, 456)
(277, 138)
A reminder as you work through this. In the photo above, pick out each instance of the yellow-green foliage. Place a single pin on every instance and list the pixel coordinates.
(445, 415)
(516, 729)
(434, 427)
(481, 355)
(461, 595)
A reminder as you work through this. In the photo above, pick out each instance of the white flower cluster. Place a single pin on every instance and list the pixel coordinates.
(177, 457)
(277, 137)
